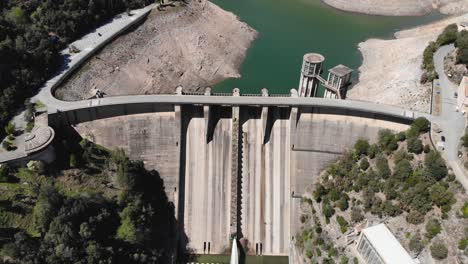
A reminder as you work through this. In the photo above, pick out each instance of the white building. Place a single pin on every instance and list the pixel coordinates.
(377, 245)
(462, 99)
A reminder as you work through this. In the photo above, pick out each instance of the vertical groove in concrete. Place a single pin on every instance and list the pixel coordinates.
(234, 170)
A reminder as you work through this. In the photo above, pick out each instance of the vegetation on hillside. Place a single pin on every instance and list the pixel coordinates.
(448, 36)
(92, 206)
(33, 32)
(398, 176)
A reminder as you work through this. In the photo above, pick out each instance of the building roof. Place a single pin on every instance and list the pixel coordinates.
(314, 58)
(341, 70)
(386, 245)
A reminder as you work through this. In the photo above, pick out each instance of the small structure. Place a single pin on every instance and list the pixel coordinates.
(377, 245)
(462, 99)
(311, 69)
(39, 138)
(234, 253)
(462, 26)
(336, 86)
(338, 80)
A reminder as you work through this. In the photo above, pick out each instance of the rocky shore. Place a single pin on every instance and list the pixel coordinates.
(400, 7)
(194, 45)
(391, 69)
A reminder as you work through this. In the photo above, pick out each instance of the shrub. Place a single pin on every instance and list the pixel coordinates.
(364, 164)
(414, 145)
(435, 166)
(449, 35)
(328, 210)
(7, 145)
(361, 147)
(373, 151)
(382, 168)
(432, 228)
(10, 129)
(462, 56)
(356, 215)
(401, 136)
(439, 250)
(343, 223)
(387, 140)
(344, 260)
(415, 217)
(421, 124)
(390, 209)
(4, 173)
(403, 170)
(463, 243)
(343, 203)
(415, 243)
(464, 210)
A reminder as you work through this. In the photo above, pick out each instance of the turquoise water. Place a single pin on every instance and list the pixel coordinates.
(289, 29)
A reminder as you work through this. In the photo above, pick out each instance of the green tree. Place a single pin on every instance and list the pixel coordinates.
(421, 124)
(435, 166)
(361, 147)
(4, 173)
(414, 145)
(449, 35)
(387, 140)
(432, 228)
(383, 170)
(364, 164)
(439, 250)
(47, 207)
(10, 129)
(403, 170)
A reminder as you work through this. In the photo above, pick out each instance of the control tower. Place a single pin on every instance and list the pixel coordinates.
(310, 72)
(339, 78)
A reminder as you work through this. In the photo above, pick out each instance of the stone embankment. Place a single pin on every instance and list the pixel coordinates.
(391, 69)
(193, 45)
(400, 7)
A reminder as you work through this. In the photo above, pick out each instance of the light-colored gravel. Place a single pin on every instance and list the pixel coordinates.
(196, 45)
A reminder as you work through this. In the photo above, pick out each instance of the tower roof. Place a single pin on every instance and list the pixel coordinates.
(314, 58)
(341, 70)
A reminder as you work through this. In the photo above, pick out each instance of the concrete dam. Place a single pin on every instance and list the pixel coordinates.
(232, 167)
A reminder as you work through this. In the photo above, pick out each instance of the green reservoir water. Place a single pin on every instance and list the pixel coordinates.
(289, 29)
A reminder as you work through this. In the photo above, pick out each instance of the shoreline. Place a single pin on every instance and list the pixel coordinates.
(399, 7)
(196, 45)
(391, 68)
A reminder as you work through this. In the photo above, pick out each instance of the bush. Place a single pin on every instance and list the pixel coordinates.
(435, 166)
(414, 145)
(373, 151)
(433, 228)
(387, 140)
(7, 145)
(415, 217)
(382, 168)
(463, 243)
(343, 203)
(343, 223)
(421, 124)
(328, 210)
(364, 164)
(415, 243)
(10, 129)
(4, 173)
(403, 170)
(448, 36)
(361, 147)
(439, 250)
(401, 136)
(464, 140)
(356, 215)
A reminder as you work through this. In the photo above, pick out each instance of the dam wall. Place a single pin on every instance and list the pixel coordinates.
(231, 171)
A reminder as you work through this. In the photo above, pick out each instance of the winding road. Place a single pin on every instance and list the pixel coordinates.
(450, 120)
